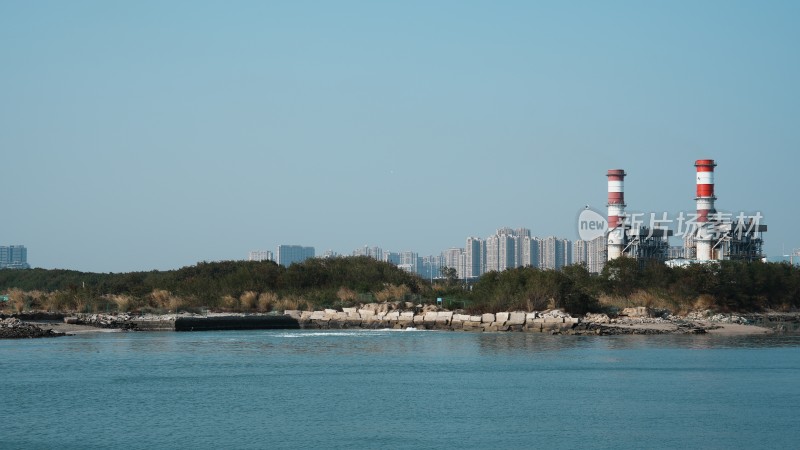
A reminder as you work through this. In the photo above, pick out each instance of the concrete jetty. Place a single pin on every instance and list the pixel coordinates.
(364, 318)
(257, 322)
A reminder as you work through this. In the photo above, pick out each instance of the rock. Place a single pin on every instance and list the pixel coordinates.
(516, 318)
(638, 311)
(554, 313)
(596, 318)
(445, 316)
(13, 328)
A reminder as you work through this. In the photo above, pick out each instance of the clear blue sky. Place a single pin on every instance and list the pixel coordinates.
(152, 135)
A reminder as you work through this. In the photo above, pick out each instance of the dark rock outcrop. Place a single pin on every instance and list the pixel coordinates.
(13, 328)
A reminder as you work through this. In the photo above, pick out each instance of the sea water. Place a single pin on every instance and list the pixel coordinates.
(398, 389)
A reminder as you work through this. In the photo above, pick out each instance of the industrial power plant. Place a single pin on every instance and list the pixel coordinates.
(707, 235)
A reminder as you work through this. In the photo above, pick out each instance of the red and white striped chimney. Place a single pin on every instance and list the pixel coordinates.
(616, 197)
(705, 207)
(705, 189)
(616, 212)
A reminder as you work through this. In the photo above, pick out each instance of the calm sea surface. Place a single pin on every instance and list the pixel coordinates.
(398, 389)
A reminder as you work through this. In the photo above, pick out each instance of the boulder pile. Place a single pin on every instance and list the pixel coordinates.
(13, 328)
(431, 318)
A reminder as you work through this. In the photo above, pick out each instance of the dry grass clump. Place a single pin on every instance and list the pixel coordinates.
(58, 301)
(17, 300)
(248, 300)
(164, 299)
(392, 293)
(290, 302)
(704, 302)
(346, 295)
(123, 302)
(230, 303)
(652, 300)
(266, 300)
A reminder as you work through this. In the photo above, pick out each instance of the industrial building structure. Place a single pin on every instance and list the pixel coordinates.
(718, 236)
(625, 237)
(710, 235)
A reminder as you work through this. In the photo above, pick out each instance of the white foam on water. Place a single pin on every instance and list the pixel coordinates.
(353, 333)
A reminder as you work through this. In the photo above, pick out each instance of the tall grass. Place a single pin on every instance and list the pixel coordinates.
(123, 302)
(392, 293)
(291, 302)
(266, 300)
(346, 295)
(248, 301)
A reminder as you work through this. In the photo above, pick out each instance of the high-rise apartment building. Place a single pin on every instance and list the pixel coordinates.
(410, 262)
(596, 254)
(14, 257)
(499, 248)
(431, 266)
(330, 254)
(507, 252)
(531, 251)
(520, 234)
(287, 255)
(580, 252)
(260, 255)
(371, 252)
(455, 258)
(503, 249)
(555, 253)
(567, 244)
(474, 256)
(392, 257)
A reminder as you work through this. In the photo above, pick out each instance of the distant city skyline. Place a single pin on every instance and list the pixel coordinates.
(143, 136)
(506, 249)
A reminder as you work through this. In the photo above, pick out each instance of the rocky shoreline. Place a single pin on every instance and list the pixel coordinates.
(630, 321)
(14, 328)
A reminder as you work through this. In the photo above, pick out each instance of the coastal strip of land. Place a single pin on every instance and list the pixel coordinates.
(634, 321)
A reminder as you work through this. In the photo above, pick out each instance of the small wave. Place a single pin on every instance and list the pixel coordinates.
(354, 333)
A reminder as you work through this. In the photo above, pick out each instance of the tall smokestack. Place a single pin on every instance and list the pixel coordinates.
(616, 212)
(705, 206)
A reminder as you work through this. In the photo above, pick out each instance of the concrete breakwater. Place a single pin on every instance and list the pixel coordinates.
(256, 322)
(125, 321)
(639, 320)
(550, 321)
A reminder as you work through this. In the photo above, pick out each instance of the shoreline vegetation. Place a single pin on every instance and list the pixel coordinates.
(671, 298)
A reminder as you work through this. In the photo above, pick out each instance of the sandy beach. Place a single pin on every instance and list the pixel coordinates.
(719, 329)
